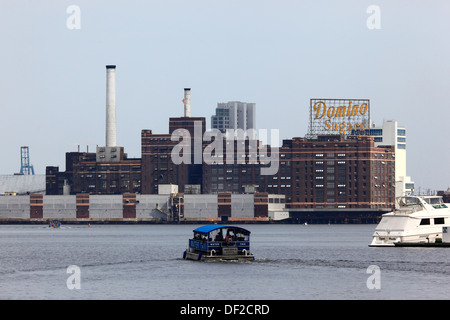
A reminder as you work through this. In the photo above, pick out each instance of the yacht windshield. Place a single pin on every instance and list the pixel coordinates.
(409, 202)
(433, 200)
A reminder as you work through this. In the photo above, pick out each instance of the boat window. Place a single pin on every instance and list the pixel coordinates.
(242, 235)
(424, 222)
(409, 202)
(438, 220)
(199, 236)
(230, 233)
(433, 200)
(216, 235)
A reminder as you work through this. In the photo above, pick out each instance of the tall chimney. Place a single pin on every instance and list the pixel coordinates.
(187, 102)
(111, 106)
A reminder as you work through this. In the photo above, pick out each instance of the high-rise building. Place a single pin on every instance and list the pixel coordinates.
(234, 115)
(390, 133)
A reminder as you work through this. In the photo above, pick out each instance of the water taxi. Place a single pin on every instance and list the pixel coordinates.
(218, 243)
(415, 221)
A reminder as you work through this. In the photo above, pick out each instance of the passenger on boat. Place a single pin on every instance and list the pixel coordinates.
(229, 237)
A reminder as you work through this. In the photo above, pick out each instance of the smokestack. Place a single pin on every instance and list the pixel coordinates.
(187, 102)
(111, 106)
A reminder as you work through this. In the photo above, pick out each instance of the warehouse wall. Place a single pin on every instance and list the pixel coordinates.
(60, 207)
(242, 206)
(147, 206)
(127, 206)
(105, 206)
(200, 206)
(17, 207)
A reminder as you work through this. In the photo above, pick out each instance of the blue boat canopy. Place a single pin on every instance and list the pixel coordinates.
(208, 228)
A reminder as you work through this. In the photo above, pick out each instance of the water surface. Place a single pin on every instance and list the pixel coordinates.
(145, 262)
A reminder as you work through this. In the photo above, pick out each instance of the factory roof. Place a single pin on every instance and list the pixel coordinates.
(22, 184)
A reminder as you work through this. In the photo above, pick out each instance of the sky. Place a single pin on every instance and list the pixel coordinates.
(278, 54)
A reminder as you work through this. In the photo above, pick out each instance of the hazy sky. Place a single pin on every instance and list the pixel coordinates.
(276, 53)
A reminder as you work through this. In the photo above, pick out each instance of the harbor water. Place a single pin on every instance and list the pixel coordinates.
(145, 262)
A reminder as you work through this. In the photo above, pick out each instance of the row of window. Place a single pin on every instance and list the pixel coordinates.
(109, 168)
(427, 221)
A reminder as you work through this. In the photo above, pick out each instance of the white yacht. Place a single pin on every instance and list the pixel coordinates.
(415, 220)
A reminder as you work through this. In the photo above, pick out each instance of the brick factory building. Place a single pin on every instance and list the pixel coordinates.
(329, 174)
(322, 176)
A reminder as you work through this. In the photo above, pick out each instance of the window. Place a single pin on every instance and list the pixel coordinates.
(438, 220)
(424, 222)
(376, 132)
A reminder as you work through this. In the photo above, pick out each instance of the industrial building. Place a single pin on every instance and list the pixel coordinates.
(325, 177)
(157, 165)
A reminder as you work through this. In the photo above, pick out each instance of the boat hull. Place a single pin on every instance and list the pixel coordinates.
(423, 245)
(199, 256)
(385, 239)
(382, 245)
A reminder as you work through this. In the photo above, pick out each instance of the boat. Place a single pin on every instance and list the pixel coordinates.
(419, 221)
(219, 243)
(54, 224)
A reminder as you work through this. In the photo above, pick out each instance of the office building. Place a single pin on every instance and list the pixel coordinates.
(392, 134)
(234, 115)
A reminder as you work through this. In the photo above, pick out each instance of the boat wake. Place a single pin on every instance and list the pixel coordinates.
(397, 265)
